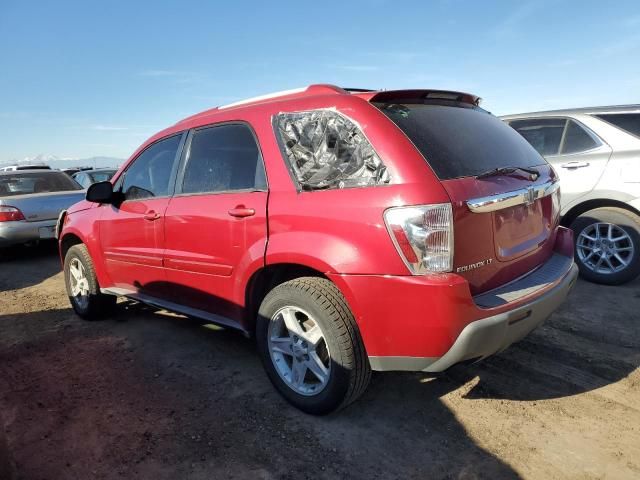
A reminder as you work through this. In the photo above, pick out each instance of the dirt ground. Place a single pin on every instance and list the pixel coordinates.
(146, 394)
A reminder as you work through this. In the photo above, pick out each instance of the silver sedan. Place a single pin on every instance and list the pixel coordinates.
(30, 202)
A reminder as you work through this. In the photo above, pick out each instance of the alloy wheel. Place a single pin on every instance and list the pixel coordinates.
(604, 248)
(79, 283)
(299, 351)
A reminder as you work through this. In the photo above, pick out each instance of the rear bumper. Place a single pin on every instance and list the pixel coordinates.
(15, 233)
(490, 335)
(430, 322)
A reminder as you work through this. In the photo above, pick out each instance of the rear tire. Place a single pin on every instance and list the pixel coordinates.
(306, 322)
(593, 234)
(82, 285)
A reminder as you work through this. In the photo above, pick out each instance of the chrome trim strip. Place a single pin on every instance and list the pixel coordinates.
(524, 196)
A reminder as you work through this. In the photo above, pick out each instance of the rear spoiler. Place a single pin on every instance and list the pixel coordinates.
(413, 96)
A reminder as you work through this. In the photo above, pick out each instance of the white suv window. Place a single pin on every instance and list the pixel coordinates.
(544, 134)
(555, 136)
(576, 139)
(629, 122)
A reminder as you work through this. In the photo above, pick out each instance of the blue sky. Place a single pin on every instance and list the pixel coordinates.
(85, 78)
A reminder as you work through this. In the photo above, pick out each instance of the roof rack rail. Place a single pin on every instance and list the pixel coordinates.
(315, 88)
(358, 90)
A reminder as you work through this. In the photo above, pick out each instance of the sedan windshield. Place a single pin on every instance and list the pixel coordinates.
(24, 183)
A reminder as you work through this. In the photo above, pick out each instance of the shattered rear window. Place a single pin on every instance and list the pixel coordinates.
(327, 150)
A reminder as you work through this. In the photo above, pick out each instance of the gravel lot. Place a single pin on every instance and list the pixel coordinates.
(146, 394)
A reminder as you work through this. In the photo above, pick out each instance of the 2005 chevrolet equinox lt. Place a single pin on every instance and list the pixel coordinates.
(346, 230)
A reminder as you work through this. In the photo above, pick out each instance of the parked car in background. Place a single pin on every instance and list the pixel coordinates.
(86, 178)
(346, 230)
(596, 152)
(30, 202)
(15, 168)
(73, 170)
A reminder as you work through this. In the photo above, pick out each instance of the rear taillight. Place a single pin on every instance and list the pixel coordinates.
(423, 235)
(10, 214)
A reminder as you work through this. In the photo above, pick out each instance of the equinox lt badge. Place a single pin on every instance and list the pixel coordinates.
(473, 266)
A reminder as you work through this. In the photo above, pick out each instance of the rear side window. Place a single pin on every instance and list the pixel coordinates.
(461, 141)
(576, 139)
(629, 122)
(324, 150)
(544, 134)
(22, 183)
(222, 159)
(150, 173)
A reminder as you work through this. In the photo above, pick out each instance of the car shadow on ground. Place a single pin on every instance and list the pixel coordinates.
(37, 263)
(147, 393)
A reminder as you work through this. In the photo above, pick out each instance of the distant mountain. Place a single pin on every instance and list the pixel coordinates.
(56, 162)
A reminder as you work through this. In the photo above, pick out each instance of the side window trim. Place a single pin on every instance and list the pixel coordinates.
(174, 168)
(184, 157)
(563, 139)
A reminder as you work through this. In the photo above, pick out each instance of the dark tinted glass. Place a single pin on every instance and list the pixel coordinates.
(21, 183)
(576, 139)
(150, 173)
(221, 159)
(544, 134)
(629, 122)
(460, 141)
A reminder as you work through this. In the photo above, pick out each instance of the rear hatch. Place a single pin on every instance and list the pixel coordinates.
(504, 216)
(39, 195)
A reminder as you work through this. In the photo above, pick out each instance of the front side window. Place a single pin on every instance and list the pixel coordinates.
(150, 173)
(325, 150)
(222, 159)
(544, 134)
(576, 139)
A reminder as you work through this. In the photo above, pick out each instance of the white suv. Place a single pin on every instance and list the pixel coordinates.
(596, 152)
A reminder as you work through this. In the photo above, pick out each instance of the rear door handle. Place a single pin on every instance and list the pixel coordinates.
(151, 215)
(575, 165)
(241, 211)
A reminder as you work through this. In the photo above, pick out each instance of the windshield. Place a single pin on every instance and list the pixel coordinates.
(22, 183)
(461, 140)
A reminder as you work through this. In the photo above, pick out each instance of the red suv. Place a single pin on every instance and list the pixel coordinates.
(347, 230)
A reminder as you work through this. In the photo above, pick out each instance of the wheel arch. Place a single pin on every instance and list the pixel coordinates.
(67, 241)
(263, 280)
(577, 210)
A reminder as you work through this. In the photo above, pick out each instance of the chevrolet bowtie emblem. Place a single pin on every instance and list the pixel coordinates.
(529, 196)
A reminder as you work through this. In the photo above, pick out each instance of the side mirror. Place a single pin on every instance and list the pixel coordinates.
(101, 192)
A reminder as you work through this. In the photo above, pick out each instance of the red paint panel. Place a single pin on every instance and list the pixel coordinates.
(206, 248)
(208, 268)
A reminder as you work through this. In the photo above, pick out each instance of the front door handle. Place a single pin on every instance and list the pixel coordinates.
(241, 211)
(151, 215)
(575, 165)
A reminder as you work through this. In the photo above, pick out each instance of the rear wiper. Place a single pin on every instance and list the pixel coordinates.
(506, 170)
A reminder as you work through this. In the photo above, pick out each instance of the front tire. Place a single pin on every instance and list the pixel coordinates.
(310, 345)
(82, 285)
(607, 245)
